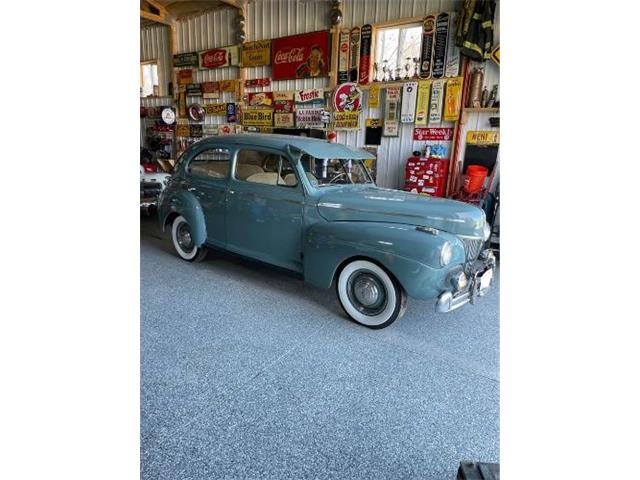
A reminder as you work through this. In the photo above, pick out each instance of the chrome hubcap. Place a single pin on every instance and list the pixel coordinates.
(366, 292)
(184, 237)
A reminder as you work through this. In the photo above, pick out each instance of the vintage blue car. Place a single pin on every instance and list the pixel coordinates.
(311, 206)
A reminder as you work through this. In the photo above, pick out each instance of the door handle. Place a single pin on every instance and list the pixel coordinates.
(191, 189)
(232, 192)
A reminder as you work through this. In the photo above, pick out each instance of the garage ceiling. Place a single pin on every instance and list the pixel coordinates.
(163, 11)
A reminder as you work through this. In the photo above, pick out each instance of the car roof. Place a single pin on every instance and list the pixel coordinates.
(313, 146)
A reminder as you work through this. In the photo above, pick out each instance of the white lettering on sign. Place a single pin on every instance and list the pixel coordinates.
(289, 56)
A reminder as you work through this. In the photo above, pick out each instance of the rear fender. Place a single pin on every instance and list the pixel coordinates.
(411, 255)
(186, 204)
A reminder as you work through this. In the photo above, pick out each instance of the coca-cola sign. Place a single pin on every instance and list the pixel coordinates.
(300, 56)
(218, 57)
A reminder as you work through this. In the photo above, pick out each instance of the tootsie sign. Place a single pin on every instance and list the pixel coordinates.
(300, 56)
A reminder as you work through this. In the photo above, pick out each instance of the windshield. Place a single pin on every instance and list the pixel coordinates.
(334, 171)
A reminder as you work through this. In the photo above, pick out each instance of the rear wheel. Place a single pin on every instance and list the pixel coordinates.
(369, 295)
(183, 241)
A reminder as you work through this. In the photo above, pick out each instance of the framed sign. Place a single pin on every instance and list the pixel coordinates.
(255, 54)
(219, 57)
(347, 120)
(483, 137)
(262, 117)
(300, 56)
(186, 59)
(347, 98)
(260, 99)
(309, 118)
(283, 102)
(441, 134)
(281, 120)
(210, 89)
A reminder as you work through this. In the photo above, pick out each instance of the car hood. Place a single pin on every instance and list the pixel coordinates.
(374, 204)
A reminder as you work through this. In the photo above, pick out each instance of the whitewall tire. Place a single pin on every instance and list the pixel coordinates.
(183, 241)
(369, 295)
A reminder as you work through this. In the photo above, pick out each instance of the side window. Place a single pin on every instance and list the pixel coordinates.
(264, 167)
(212, 163)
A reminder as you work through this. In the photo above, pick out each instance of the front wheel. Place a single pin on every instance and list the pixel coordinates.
(369, 295)
(183, 241)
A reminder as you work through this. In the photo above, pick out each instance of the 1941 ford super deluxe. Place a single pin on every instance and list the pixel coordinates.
(311, 206)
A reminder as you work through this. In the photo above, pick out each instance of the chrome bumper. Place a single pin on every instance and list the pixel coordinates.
(449, 300)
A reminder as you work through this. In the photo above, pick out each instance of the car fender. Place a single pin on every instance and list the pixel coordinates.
(186, 204)
(410, 254)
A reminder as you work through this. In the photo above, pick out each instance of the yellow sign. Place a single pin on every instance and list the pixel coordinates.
(215, 108)
(483, 137)
(453, 99)
(283, 119)
(495, 55)
(374, 96)
(422, 103)
(183, 130)
(284, 95)
(256, 53)
(373, 122)
(259, 118)
(347, 121)
(228, 85)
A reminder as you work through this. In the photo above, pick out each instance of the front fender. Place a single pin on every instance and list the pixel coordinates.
(411, 255)
(186, 204)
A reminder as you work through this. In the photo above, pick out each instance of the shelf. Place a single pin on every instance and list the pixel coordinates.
(481, 110)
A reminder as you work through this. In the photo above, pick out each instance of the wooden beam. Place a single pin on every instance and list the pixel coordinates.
(161, 8)
(155, 18)
(239, 4)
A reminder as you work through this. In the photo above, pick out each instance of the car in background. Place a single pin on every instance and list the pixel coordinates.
(310, 206)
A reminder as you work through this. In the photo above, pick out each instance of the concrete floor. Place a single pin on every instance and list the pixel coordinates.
(248, 373)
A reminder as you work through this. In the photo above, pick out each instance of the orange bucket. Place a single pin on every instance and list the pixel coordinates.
(475, 178)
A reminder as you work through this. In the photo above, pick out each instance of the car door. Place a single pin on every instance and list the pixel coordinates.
(207, 176)
(265, 208)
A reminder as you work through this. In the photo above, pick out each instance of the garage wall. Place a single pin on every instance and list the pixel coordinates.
(154, 45)
(268, 19)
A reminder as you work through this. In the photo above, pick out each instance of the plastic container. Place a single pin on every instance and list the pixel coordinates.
(475, 178)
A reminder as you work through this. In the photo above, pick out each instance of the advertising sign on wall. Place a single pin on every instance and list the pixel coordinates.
(259, 117)
(300, 56)
(343, 56)
(442, 134)
(346, 120)
(264, 99)
(483, 137)
(194, 89)
(257, 82)
(308, 98)
(365, 54)
(256, 53)
(219, 57)
(215, 108)
(422, 103)
(210, 89)
(283, 102)
(453, 99)
(409, 96)
(374, 96)
(185, 76)
(435, 105)
(283, 119)
(186, 59)
(231, 113)
(347, 98)
(309, 118)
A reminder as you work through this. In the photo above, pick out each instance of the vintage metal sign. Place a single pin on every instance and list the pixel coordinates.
(452, 68)
(209, 130)
(219, 57)
(258, 117)
(354, 54)
(194, 90)
(483, 137)
(210, 89)
(257, 82)
(231, 113)
(409, 96)
(283, 102)
(215, 108)
(283, 120)
(440, 45)
(365, 54)
(228, 86)
(441, 134)
(195, 130)
(452, 99)
(422, 103)
(256, 53)
(428, 30)
(391, 113)
(309, 117)
(226, 129)
(186, 59)
(262, 99)
(347, 98)
(435, 105)
(300, 56)
(343, 56)
(495, 55)
(311, 97)
(185, 76)
(346, 120)
(183, 130)
(373, 122)
(393, 93)
(374, 96)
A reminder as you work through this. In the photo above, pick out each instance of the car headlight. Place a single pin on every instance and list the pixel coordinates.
(487, 231)
(445, 254)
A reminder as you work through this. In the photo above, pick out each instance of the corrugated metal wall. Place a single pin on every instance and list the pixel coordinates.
(154, 45)
(268, 19)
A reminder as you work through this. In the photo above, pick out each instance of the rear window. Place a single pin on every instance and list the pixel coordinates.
(212, 163)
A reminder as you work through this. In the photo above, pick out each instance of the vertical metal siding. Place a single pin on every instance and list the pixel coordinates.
(154, 45)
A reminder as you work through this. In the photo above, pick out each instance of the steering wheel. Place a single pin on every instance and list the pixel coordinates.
(343, 174)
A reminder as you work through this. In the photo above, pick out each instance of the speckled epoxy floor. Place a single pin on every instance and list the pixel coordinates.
(248, 373)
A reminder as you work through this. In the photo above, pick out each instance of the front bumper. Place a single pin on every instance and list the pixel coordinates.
(480, 274)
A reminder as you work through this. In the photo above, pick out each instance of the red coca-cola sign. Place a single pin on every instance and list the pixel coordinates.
(218, 57)
(300, 56)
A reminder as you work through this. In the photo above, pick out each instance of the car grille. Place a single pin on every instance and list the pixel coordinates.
(472, 247)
